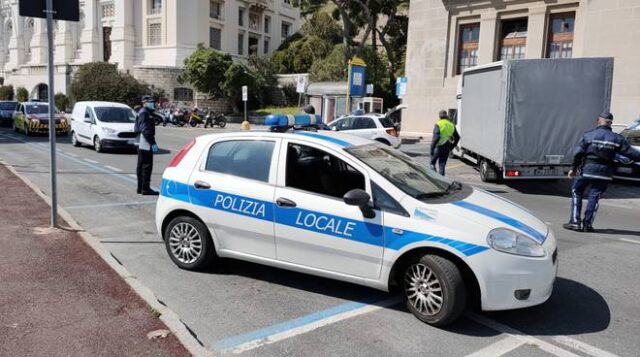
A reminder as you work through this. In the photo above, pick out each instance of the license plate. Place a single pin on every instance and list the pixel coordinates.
(625, 170)
(546, 172)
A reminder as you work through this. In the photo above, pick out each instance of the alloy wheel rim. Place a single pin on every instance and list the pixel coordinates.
(185, 243)
(423, 289)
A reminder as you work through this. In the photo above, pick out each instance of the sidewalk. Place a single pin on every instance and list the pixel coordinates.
(58, 297)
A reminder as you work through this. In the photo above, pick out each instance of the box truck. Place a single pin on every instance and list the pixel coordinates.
(522, 119)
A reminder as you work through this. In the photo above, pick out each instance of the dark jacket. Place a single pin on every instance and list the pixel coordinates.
(146, 126)
(596, 151)
(436, 137)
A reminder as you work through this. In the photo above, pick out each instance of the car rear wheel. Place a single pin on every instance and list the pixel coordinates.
(97, 146)
(189, 244)
(74, 139)
(435, 290)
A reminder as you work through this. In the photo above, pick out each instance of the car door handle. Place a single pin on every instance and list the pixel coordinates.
(201, 185)
(285, 202)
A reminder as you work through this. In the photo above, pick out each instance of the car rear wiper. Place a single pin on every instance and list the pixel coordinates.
(453, 185)
(430, 195)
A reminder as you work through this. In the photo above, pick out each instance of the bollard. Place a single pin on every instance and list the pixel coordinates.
(245, 125)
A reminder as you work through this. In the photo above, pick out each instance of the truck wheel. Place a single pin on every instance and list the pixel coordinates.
(435, 290)
(488, 172)
(189, 244)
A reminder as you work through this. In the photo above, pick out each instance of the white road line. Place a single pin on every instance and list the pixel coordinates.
(499, 348)
(113, 168)
(71, 154)
(132, 175)
(543, 345)
(91, 161)
(582, 347)
(629, 240)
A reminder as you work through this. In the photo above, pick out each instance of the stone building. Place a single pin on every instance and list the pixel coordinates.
(447, 36)
(148, 38)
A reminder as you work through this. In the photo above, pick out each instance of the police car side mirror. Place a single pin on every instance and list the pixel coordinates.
(360, 198)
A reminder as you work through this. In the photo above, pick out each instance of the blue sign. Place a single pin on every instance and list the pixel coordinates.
(401, 87)
(357, 81)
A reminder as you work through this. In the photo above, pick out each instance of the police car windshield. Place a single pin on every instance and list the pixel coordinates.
(8, 105)
(115, 115)
(39, 109)
(409, 176)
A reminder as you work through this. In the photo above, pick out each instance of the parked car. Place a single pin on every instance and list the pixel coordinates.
(373, 126)
(352, 209)
(33, 118)
(628, 170)
(103, 125)
(7, 108)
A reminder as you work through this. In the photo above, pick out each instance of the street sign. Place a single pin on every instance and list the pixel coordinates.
(369, 88)
(401, 87)
(245, 93)
(66, 10)
(301, 84)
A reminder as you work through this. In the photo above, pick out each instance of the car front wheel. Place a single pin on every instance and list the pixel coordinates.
(97, 146)
(435, 290)
(189, 244)
(74, 139)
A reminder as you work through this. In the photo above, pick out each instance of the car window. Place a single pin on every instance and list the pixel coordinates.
(344, 124)
(386, 122)
(115, 115)
(39, 109)
(243, 158)
(364, 123)
(88, 114)
(8, 106)
(382, 200)
(319, 172)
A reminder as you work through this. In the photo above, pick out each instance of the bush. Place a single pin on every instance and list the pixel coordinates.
(205, 70)
(62, 101)
(7, 92)
(103, 81)
(22, 94)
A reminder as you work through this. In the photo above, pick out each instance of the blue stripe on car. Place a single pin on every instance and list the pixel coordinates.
(324, 137)
(340, 227)
(502, 218)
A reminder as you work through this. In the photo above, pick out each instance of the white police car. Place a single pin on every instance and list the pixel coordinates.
(352, 209)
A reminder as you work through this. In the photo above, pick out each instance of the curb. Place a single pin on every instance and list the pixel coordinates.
(167, 316)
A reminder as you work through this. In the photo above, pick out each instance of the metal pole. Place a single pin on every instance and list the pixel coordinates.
(245, 110)
(52, 119)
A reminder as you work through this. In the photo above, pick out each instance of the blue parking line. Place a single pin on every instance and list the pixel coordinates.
(231, 342)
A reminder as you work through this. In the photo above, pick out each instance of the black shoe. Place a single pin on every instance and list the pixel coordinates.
(139, 191)
(588, 228)
(572, 227)
(150, 193)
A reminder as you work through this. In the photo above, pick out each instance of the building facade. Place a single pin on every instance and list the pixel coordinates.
(447, 36)
(148, 38)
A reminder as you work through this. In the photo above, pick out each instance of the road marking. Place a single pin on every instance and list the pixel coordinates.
(113, 168)
(71, 154)
(499, 348)
(455, 166)
(91, 161)
(271, 334)
(543, 345)
(101, 205)
(629, 240)
(582, 347)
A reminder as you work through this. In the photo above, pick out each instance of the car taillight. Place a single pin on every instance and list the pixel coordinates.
(392, 132)
(176, 160)
(513, 173)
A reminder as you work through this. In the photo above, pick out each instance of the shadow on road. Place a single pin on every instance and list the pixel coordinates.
(573, 308)
(621, 232)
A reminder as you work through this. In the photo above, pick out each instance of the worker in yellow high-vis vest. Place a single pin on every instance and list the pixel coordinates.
(445, 138)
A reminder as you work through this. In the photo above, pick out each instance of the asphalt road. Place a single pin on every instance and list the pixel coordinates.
(260, 311)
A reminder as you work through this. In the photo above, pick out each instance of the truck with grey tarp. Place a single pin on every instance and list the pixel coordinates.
(522, 119)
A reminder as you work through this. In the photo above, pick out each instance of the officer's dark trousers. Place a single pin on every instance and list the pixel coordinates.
(144, 169)
(441, 155)
(595, 190)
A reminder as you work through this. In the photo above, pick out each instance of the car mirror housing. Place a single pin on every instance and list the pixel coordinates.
(360, 198)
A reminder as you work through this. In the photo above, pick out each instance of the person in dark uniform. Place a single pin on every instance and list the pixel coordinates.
(593, 168)
(146, 130)
(445, 138)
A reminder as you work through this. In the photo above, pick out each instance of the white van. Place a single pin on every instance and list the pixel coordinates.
(103, 125)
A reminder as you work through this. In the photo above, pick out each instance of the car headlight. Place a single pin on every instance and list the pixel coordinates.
(508, 241)
(109, 131)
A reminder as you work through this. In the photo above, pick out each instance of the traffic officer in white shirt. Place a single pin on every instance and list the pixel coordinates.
(146, 130)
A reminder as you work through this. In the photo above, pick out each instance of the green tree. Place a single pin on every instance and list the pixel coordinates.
(22, 94)
(103, 81)
(62, 101)
(205, 69)
(7, 92)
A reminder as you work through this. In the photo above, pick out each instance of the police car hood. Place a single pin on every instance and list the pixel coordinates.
(492, 211)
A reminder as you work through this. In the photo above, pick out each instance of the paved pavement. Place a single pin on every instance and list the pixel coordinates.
(261, 311)
(58, 297)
